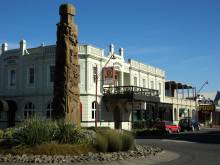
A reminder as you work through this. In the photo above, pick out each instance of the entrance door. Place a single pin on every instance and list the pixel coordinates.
(117, 118)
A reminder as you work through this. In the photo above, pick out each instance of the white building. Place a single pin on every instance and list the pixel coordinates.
(26, 87)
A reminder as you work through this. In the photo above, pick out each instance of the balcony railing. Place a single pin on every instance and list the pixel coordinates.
(130, 90)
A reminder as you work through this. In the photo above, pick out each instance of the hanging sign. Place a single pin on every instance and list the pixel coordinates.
(109, 75)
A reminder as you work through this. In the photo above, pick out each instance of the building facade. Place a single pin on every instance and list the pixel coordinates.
(182, 98)
(138, 92)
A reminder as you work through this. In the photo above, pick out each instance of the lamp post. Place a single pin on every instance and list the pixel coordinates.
(96, 87)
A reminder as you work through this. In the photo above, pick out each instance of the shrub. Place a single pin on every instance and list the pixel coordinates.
(65, 132)
(86, 137)
(68, 133)
(148, 132)
(35, 131)
(114, 141)
(101, 143)
(9, 132)
(127, 141)
(1, 134)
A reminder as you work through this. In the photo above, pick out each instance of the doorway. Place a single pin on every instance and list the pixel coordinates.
(117, 114)
(11, 112)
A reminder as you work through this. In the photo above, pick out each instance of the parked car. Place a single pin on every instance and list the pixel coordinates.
(189, 124)
(168, 126)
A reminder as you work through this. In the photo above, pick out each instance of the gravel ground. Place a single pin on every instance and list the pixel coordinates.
(140, 152)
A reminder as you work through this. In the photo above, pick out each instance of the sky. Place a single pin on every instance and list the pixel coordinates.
(181, 37)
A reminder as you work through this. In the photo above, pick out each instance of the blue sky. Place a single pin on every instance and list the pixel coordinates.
(181, 37)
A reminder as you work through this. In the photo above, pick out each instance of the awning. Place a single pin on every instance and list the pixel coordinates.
(3, 105)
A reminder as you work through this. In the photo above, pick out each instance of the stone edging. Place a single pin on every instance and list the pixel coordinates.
(140, 152)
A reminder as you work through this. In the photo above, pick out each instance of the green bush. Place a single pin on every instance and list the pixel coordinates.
(114, 141)
(85, 137)
(8, 133)
(35, 131)
(127, 141)
(101, 143)
(1, 134)
(66, 132)
(148, 132)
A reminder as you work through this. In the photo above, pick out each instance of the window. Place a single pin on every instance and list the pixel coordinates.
(135, 81)
(52, 68)
(49, 110)
(152, 84)
(12, 78)
(159, 88)
(31, 76)
(144, 83)
(94, 74)
(29, 110)
(93, 109)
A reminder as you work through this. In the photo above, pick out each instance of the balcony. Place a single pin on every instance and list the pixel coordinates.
(131, 93)
(179, 101)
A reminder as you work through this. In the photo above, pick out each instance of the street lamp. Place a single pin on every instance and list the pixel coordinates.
(96, 86)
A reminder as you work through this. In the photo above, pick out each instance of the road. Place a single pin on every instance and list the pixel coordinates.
(202, 147)
(189, 148)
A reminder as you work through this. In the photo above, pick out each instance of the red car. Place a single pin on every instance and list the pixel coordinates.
(169, 126)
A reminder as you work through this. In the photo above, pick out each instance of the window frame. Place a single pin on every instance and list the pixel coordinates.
(94, 73)
(135, 81)
(29, 110)
(10, 78)
(94, 108)
(49, 110)
(49, 82)
(28, 76)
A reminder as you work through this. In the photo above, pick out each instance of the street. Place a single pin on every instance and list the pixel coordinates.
(202, 147)
(188, 148)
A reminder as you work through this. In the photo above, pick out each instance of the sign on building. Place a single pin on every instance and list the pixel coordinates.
(109, 75)
(210, 107)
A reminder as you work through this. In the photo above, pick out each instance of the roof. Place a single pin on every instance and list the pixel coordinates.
(178, 85)
(217, 97)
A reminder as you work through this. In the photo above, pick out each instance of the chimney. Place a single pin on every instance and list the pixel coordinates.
(111, 49)
(121, 52)
(4, 47)
(23, 46)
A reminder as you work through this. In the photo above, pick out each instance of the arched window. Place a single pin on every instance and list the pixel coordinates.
(93, 109)
(49, 110)
(29, 110)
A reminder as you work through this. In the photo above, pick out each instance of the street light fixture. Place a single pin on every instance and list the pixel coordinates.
(112, 57)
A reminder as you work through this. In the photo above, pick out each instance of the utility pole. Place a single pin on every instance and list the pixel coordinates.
(96, 97)
(96, 88)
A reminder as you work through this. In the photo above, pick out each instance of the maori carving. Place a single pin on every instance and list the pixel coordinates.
(66, 102)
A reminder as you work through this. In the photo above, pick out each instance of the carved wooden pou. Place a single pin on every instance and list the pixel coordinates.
(66, 102)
